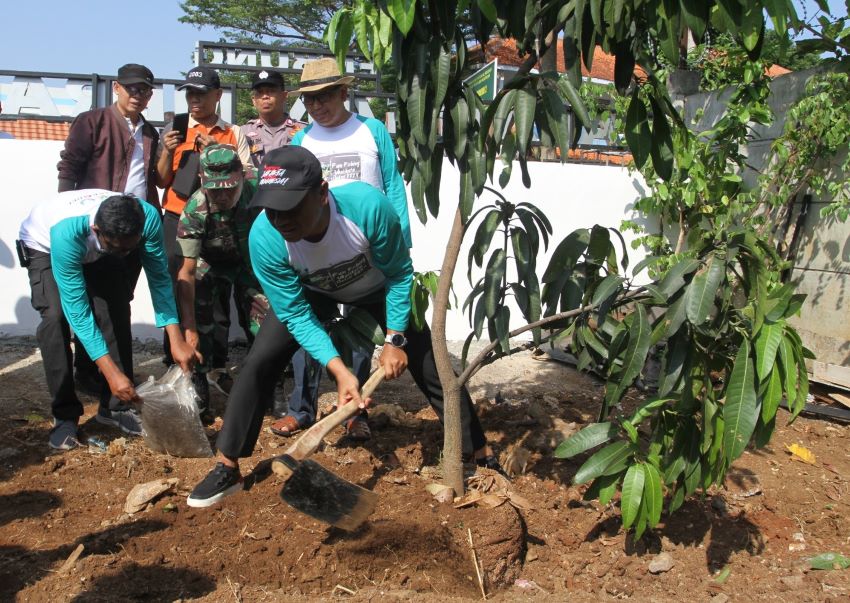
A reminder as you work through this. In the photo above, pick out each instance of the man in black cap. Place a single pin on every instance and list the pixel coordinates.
(114, 149)
(273, 128)
(311, 249)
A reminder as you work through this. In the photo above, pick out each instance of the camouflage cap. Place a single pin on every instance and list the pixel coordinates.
(220, 167)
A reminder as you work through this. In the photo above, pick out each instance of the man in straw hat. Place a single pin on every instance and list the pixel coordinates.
(350, 148)
(311, 249)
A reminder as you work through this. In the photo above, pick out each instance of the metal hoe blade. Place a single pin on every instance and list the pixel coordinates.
(323, 495)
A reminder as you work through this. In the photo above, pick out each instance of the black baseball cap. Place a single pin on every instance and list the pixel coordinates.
(288, 174)
(201, 78)
(268, 78)
(132, 73)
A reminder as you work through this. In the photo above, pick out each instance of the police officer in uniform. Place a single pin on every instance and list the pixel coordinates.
(274, 127)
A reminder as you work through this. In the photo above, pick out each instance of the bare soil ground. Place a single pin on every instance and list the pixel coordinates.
(750, 540)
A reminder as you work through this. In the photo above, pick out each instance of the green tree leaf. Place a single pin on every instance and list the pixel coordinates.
(740, 411)
(624, 66)
(493, 278)
(638, 134)
(674, 278)
(611, 459)
(524, 108)
(604, 488)
(362, 29)
(607, 287)
(589, 437)
(645, 410)
(634, 358)
(574, 99)
(484, 237)
(675, 358)
(772, 395)
(653, 495)
(402, 12)
(703, 289)
(632, 493)
(566, 254)
(767, 343)
(364, 323)
(459, 112)
(662, 142)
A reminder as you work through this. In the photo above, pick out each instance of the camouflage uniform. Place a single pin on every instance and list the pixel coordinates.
(219, 242)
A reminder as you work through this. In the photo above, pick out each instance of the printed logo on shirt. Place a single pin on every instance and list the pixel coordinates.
(341, 166)
(274, 175)
(338, 276)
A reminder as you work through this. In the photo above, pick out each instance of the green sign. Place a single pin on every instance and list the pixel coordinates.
(484, 81)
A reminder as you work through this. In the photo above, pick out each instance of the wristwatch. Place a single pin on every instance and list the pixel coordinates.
(397, 340)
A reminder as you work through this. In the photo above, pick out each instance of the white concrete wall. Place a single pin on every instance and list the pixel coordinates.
(572, 196)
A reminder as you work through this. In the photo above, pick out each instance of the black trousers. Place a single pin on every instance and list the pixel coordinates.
(82, 363)
(272, 350)
(108, 284)
(221, 303)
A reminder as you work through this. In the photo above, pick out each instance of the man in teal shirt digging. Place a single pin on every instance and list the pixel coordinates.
(311, 249)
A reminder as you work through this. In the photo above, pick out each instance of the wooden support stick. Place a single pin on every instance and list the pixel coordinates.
(71, 560)
(475, 563)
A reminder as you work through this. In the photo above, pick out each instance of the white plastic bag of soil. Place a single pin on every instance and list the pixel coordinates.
(170, 416)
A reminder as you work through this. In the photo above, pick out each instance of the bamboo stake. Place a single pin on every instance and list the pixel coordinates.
(475, 563)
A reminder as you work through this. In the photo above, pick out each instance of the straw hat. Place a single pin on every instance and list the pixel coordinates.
(320, 74)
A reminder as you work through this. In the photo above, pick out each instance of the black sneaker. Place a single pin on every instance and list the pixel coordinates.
(219, 483)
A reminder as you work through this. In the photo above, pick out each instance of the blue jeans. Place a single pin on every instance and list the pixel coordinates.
(308, 372)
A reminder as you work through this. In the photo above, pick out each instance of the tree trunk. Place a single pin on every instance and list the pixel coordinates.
(549, 62)
(452, 441)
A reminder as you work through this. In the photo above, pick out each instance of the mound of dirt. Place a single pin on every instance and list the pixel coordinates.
(750, 540)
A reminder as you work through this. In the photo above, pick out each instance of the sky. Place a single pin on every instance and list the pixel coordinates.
(94, 36)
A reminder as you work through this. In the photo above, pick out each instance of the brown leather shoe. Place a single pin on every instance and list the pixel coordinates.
(286, 426)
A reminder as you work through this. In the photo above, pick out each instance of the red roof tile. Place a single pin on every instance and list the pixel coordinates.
(36, 129)
(602, 67)
(776, 71)
(594, 156)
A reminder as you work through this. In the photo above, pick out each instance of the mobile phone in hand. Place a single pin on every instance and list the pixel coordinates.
(181, 124)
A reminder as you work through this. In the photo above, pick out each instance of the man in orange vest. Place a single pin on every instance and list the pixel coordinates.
(205, 127)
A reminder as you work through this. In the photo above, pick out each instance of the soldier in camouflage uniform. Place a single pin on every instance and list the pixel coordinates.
(212, 236)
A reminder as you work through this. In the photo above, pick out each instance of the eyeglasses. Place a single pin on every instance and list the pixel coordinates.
(320, 97)
(142, 91)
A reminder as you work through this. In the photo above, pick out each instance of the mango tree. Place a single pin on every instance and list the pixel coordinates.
(729, 355)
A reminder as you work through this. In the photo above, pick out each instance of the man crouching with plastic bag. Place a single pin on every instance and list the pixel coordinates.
(74, 246)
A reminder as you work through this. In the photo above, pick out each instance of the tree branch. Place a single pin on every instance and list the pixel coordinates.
(472, 367)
